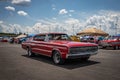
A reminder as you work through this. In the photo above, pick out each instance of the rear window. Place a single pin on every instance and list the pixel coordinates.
(39, 38)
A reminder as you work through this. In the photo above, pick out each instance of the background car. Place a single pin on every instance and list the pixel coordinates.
(113, 41)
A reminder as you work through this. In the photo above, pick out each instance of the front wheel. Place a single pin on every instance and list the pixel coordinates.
(57, 58)
(29, 52)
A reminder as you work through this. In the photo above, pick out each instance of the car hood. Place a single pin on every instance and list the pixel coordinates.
(73, 44)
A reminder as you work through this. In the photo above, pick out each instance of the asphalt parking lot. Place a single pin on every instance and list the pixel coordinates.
(15, 65)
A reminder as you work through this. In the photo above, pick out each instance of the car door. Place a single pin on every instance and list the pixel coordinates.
(41, 45)
(37, 43)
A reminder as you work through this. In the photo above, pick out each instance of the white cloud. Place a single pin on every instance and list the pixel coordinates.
(22, 13)
(106, 19)
(54, 18)
(10, 8)
(73, 25)
(71, 10)
(53, 7)
(72, 21)
(70, 15)
(39, 27)
(21, 2)
(1, 22)
(16, 28)
(65, 26)
(11, 28)
(63, 11)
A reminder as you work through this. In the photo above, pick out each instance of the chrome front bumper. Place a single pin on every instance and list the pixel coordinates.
(80, 55)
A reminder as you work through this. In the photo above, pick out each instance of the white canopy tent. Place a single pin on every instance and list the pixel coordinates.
(21, 36)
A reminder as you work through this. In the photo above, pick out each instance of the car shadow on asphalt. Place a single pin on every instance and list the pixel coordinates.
(69, 64)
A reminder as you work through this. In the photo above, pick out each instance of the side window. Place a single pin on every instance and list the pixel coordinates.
(64, 37)
(39, 38)
(50, 36)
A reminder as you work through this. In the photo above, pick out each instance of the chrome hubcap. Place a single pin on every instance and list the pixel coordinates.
(57, 58)
(29, 52)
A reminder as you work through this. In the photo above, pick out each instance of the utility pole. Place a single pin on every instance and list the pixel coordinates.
(100, 27)
(38, 27)
(49, 29)
(116, 29)
(73, 29)
(116, 25)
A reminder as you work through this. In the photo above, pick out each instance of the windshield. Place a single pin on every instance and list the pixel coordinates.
(59, 37)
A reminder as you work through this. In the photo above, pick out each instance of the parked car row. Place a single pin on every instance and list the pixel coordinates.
(20, 38)
(3, 39)
(60, 46)
(113, 41)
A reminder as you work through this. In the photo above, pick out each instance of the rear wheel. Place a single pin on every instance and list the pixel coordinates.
(116, 47)
(103, 47)
(29, 52)
(57, 58)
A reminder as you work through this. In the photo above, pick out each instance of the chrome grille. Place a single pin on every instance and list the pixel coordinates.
(76, 50)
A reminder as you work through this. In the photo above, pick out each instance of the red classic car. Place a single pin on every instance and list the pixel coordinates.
(111, 42)
(59, 47)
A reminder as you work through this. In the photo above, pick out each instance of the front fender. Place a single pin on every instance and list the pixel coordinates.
(62, 50)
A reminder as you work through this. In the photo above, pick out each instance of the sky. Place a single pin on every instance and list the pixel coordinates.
(69, 16)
